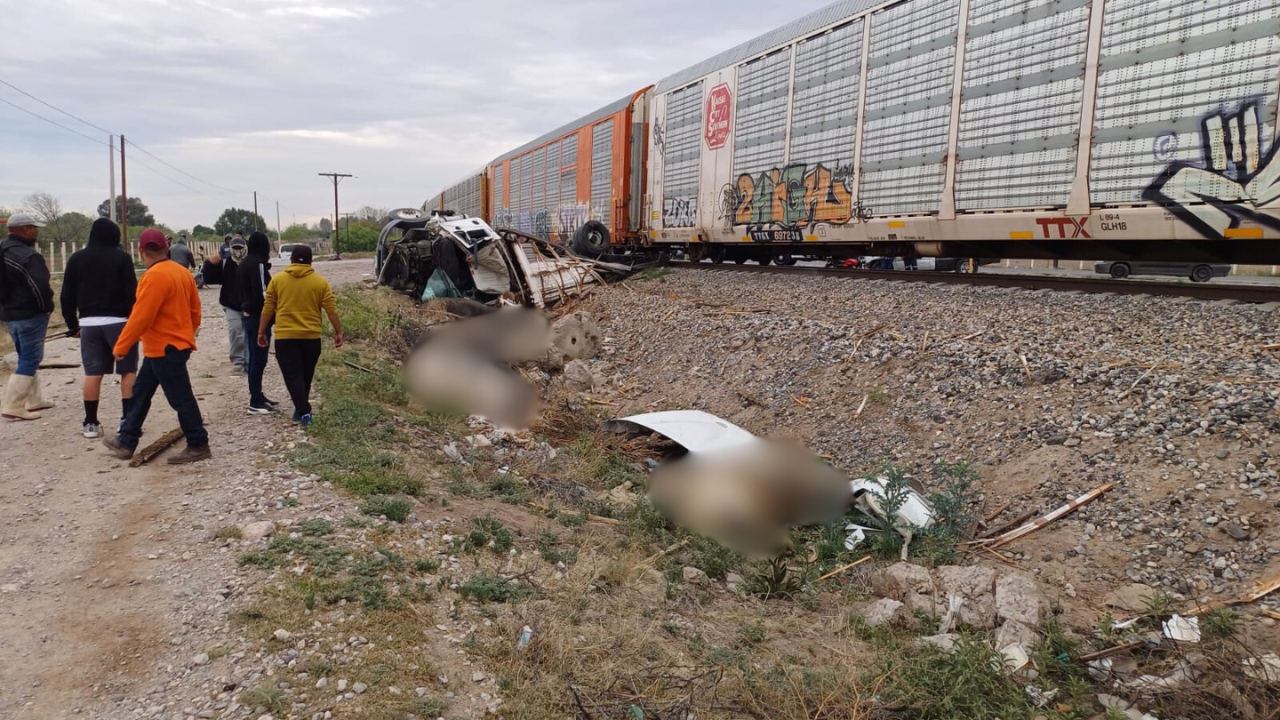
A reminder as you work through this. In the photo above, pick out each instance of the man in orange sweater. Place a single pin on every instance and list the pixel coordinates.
(166, 317)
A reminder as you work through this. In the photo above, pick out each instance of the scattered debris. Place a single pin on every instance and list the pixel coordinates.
(842, 568)
(915, 512)
(1182, 629)
(694, 430)
(1265, 668)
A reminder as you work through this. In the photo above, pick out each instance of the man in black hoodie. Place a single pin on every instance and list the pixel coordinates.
(98, 289)
(223, 271)
(252, 278)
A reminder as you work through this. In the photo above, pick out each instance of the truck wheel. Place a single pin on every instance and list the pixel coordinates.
(1201, 273)
(592, 239)
(1120, 271)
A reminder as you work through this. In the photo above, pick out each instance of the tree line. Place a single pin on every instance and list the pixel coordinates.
(357, 231)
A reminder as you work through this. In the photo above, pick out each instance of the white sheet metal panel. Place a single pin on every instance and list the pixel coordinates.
(552, 195)
(681, 148)
(760, 119)
(601, 169)
(908, 106)
(824, 99)
(464, 197)
(1167, 65)
(1020, 103)
(526, 182)
(498, 202)
(830, 15)
(539, 180)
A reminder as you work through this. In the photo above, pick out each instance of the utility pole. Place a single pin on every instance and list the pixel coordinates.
(279, 234)
(255, 211)
(111, 211)
(337, 178)
(124, 196)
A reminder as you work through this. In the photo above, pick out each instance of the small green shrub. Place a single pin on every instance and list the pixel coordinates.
(394, 509)
(486, 588)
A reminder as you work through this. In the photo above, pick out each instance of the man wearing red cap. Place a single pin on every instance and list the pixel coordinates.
(166, 316)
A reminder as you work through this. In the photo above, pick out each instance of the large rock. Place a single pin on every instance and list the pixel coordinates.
(976, 585)
(1013, 632)
(901, 579)
(886, 612)
(1130, 598)
(928, 604)
(573, 337)
(253, 532)
(1019, 598)
(579, 376)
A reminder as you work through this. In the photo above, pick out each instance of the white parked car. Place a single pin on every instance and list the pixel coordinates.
(286, 251)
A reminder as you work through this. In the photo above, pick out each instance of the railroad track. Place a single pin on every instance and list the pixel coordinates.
(1201, 291)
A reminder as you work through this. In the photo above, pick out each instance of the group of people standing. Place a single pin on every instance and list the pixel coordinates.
(111, 311)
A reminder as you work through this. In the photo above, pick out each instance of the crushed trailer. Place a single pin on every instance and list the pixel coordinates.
(443, 254)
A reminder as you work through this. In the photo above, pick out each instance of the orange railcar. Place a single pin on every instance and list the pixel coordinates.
(582, 183)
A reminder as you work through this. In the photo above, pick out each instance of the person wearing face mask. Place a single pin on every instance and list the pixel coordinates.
(224, 271)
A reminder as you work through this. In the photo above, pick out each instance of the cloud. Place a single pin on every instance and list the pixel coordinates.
(263, 94)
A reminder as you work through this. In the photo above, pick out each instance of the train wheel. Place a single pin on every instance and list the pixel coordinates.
(765, 260)
(785, 260)
(1120, 271)
(740, 259)
(716, 253)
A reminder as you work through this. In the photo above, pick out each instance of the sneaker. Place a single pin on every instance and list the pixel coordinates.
(239, 370)
(271, 403)
(296, 417)
(305, 420)
(118, 450)
(191, 454)
(92, 430)
(255, 410)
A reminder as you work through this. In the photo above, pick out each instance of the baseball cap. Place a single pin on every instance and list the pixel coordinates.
(238, 242)
(21, 219)
(152, 238)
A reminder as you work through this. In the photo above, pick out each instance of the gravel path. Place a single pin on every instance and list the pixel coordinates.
(1052, 394)
(113, 590)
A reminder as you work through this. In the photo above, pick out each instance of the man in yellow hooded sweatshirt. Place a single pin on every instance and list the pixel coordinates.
(295, 298)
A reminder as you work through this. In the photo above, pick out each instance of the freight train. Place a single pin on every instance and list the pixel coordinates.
(1072, 129)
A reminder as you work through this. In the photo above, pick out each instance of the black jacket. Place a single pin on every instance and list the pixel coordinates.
(99, 280)
(224, 274)
(24, 281)
(252, 276)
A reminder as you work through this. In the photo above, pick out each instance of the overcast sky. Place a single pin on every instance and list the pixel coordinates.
(410, 95)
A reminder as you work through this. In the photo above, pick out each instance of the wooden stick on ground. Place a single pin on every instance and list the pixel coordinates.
(842, 568)
(1056, 514)
(866, 335)
(925, 342)
(862, 405)
(1275, 346)
(145, 454)
(1125, 394)
(1026, 367)
(1272, 614)
(669, 549)
(1111, 651)
(361, 368)
(997, 512)
(1016, 522)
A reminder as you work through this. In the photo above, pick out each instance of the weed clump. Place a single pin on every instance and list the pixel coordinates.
(486, 588)
(394, 509)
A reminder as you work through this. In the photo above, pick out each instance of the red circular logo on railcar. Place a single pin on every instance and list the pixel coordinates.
(718, 113)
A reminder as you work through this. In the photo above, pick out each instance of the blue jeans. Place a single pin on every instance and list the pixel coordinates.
(257, 358)
(168, 373)
(28, 340)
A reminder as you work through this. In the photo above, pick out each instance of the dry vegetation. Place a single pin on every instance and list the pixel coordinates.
(620, 628)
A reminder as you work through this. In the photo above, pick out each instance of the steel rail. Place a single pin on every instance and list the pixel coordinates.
(1200, 291)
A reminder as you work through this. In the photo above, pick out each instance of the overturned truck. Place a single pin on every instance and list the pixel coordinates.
(444, 254)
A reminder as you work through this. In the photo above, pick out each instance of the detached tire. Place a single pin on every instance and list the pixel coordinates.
(1201, 273)
(1120, 271)
(591, 240)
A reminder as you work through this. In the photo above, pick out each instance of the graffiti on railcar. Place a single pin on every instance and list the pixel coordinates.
(1235, 178)
(659, 138)
(680, 212)
(571, 218)
(503, 218)
(796, 196)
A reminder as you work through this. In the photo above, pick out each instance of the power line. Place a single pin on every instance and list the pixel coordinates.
(148, 153)
(55, 123)
(55, 107)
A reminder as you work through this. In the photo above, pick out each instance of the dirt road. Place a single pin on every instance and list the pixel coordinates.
(105, 569)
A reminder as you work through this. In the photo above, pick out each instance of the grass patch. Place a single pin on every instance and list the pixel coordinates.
(488, 588)
(229, 533)
(395, 509)
(265, 697)
(258, 558)
(314, 527)
(656, 273)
